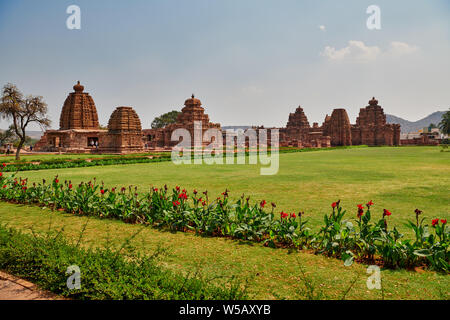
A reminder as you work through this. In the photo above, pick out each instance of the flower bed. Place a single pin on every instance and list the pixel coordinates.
(349, 239)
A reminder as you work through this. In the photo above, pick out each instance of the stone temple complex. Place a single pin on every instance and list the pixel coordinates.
(370, 129)
(80, 132)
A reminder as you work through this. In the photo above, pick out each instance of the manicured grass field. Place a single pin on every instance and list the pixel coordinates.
(399, 179)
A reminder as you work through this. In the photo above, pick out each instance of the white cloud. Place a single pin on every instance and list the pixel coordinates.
(398, 49)
(322, 27)
(358, 51)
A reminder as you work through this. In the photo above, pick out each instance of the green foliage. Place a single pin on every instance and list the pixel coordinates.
(165, 119)
(79, 163)
(240, 220)
(444, 125)
(105, 273)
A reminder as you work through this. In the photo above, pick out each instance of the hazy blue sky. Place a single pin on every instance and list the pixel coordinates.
(249, 61)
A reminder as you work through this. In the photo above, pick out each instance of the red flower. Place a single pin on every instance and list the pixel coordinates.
(263, 203)
(444, 221)
(102, 191)
(175, 203)
(4, 186)
(4, 164)
(434, 222)
(56, 180)
(24, 188)
(283, 214)
(70, 186)
(182, 196)
(386, 213)
(360, 206)
(204, 203)
(360, 212)
(334, 204)
(195, 191)
(293, 215)
(177, 188)
(370, 203)
(1, 173)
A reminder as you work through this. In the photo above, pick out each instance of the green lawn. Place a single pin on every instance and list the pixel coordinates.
(399, 179)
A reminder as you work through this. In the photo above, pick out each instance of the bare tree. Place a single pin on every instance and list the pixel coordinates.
(22, 111)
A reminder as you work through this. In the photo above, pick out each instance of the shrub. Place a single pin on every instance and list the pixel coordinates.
(105, 274)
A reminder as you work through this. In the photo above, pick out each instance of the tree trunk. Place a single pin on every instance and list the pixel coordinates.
(19, 147)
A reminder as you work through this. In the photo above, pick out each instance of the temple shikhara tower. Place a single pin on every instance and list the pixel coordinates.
(80, 132)
(79, 111)
(371, 127)
(300, 134)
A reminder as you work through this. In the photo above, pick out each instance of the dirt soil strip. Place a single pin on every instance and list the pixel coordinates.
(13, 288)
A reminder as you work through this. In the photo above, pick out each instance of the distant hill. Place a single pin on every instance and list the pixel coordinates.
(236, 127)
(410, 126)
(32, 134)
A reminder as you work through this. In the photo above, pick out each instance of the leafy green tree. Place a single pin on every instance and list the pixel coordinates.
(444, 125)
(165, 119)
(22, 111)
(8, 136)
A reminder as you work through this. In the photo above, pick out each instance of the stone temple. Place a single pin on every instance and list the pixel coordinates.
(79, 130)
(192, 112)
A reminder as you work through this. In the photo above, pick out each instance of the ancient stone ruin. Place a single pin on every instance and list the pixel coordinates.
(80, 132)
(192, 114)
(298, 132)
(370, 129)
